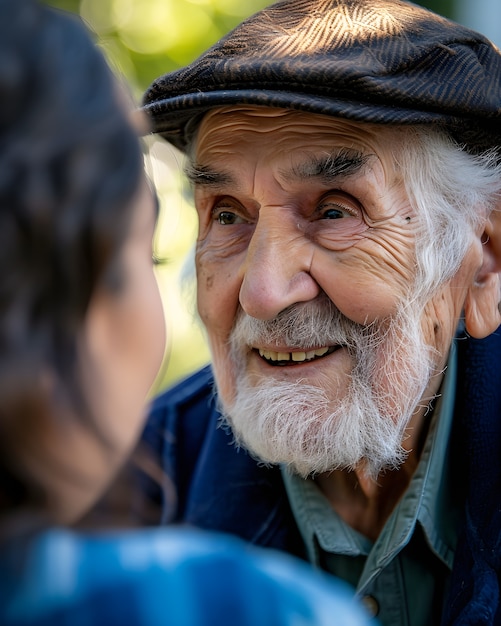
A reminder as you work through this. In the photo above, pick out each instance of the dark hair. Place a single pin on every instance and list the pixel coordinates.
(70, 164)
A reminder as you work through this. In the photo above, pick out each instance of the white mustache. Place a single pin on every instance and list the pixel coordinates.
(305, 326)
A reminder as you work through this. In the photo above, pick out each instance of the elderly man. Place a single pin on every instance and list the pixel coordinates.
(346, 164)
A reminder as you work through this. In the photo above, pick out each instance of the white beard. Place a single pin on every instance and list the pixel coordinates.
(298, 424)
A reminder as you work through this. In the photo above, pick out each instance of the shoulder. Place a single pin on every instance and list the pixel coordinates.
(199, 578)
(187, 407)
(198, 388)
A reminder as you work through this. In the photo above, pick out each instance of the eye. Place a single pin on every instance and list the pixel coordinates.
(226, 218)
(228, 213)
(334, 213)
(335, 208)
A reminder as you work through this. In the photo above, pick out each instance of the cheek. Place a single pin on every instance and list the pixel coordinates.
(140, 326)
(217, 309)
(224, 370)
(218, 285)
(129, 354)
(367, 281)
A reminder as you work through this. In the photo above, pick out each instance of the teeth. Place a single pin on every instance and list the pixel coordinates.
(297, 357)
(321, 351)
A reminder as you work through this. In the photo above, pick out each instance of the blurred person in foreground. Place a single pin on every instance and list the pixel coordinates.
(82, 337)
(345, 158)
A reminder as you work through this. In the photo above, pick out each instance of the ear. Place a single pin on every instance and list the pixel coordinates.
(481, 309)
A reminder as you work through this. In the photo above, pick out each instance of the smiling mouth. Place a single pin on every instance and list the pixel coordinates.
(295, 358)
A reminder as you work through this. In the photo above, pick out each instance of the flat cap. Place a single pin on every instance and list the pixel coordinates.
(380, 61)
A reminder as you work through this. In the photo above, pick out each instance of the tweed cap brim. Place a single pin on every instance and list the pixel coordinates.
(380, 61)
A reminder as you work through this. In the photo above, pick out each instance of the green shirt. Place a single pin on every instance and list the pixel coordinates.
(403, 576)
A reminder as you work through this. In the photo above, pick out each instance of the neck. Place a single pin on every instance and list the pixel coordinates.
(362, 502)
(365, 503)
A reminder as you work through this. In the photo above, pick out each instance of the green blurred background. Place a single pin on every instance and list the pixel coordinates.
(143, 39)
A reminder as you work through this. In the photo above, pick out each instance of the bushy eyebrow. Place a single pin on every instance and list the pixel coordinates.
(202, 175)
(327, 168)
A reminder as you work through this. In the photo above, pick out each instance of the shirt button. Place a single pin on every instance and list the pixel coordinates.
(371, 604)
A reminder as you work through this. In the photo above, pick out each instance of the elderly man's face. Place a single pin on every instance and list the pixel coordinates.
(305, 267)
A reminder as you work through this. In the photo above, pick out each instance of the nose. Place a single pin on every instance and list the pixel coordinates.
(276, 270)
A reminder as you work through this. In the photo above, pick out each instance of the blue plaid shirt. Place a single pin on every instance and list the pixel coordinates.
(156, 577)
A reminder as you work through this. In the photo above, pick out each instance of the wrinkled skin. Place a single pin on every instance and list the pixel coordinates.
(293, 207)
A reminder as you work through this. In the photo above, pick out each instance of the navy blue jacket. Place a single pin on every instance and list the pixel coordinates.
(218, 487)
